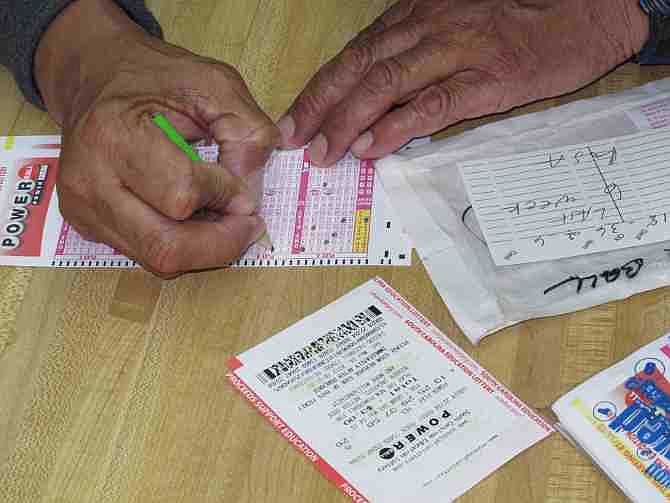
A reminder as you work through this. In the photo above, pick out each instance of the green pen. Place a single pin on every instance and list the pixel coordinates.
(173, 135)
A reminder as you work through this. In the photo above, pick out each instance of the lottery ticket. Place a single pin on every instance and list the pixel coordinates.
(315, 217)
(621, 419)
(383, 403)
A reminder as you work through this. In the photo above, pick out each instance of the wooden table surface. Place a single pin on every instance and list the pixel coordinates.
(112, 384)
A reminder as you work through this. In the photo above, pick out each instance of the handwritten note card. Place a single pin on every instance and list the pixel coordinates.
(573, 200)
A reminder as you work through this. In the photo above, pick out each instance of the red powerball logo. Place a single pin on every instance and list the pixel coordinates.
(23, 226)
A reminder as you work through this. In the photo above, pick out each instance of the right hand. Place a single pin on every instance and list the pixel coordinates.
(121, 181)
(427, 64)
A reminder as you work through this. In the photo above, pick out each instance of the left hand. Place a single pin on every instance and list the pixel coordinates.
(120, 180)
(426, 64)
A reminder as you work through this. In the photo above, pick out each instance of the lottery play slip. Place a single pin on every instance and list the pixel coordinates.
(383, 403)
(315, 217)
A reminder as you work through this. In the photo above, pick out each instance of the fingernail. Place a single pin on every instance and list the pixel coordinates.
(287, 128)
(265, 242)
(318, 149)
(260, 230)
(363, 143)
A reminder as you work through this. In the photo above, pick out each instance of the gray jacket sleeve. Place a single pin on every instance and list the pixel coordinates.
(22, 24)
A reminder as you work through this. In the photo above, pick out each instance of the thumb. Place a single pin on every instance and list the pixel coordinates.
(245, 139)
(245, 134)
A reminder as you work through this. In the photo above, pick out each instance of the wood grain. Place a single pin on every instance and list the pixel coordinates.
(112, 384)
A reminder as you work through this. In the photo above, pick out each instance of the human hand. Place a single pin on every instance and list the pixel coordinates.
(121, 181)
(426, 64)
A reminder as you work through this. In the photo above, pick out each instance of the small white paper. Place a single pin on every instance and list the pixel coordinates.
(382, 403)
(573, 200)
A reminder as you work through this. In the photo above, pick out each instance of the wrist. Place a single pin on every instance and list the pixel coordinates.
(638, 21)
(70, 70)
(623, 23)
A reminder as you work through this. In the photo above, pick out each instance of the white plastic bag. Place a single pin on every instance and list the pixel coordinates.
(427, 190)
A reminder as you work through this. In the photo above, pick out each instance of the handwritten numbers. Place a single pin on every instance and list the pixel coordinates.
(514, 209)
(511, 254)
(586, 198)
(618, 236)
(555, 162)
(614, 190)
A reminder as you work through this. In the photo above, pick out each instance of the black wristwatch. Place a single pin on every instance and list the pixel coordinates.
(657, 49)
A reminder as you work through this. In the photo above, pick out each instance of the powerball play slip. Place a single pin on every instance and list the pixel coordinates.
(315, 217)
(383, 403)
(33, 232)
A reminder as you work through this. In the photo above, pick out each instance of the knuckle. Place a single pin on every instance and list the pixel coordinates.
(435, 104)
(266, 135)
(213, 71)
(161, 254)
(338, 75)
(355, 60)
(97, 132)
(509, 62)
(312, 104)
(415, 30)
(385, 77)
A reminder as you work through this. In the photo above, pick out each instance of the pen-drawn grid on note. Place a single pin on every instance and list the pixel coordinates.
(574, 200)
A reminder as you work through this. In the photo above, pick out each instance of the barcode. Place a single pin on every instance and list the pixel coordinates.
(75, 263)
(318, 346)
(302, 262)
